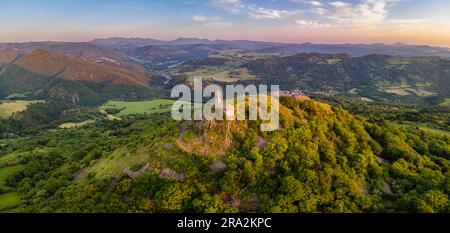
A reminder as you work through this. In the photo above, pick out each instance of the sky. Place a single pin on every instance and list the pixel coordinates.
(296, 21)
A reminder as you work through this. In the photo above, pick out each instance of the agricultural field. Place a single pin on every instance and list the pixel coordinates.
(71, 125)
(223, 74)
(138, 107)
(9, 107)
(397, 90)
(421, 92)
(405, 90)
(399, 61)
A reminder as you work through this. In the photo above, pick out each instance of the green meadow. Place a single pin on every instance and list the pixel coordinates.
(423, 127)
(446, 102)
(8, 201)
(139, 107)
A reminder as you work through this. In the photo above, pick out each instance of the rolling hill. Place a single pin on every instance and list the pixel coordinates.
(7, 55)
(397, 49)
(86, 51)
(372, 76)
(155, 53)
(72, 49)
(56, 76)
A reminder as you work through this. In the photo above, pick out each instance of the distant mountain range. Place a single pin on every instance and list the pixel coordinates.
(397, 49)
(123, 52)
(140, 42)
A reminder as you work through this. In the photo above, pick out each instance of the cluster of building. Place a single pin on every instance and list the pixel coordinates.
(297, 92)
(292, 93)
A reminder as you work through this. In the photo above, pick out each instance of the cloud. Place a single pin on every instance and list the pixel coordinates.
(253, 11)
(218, 25)
(311, 24)
(199, 18)
(365, 13)
(256, 12)
(318, 13)
(368, 12)
(211, 22)
(311, 2)
(202, 18)
(227, 1)
(233, 6)
(316, 3)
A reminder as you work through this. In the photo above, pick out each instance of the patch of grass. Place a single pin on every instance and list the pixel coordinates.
(17, 156)
(399, 61)
(422, 126)
(113, 118)
(9, 159)
(9, 200)
(75, 125)
(397, 90)
(113, 165)
(406, 90)
(224, 76)
(421, 93)
(241, 74)
(446, 102)
(139, 107)
(423, 84)
(3, 142)
(6, 172)
(9, 107)
(16, 95)
(333, 61)
(366, 99)
(436, 131)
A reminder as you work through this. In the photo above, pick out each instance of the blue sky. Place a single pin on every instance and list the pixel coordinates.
(325, 21)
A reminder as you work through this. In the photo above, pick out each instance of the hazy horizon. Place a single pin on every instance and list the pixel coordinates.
(216, 39)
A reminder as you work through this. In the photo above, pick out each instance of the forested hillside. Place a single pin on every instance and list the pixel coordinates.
(44, 75)
(411, 79)
(323, 159)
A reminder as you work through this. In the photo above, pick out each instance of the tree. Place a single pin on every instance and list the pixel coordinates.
(433, 201)
(173, 197)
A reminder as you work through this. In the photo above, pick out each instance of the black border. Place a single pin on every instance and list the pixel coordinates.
(279, 222)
